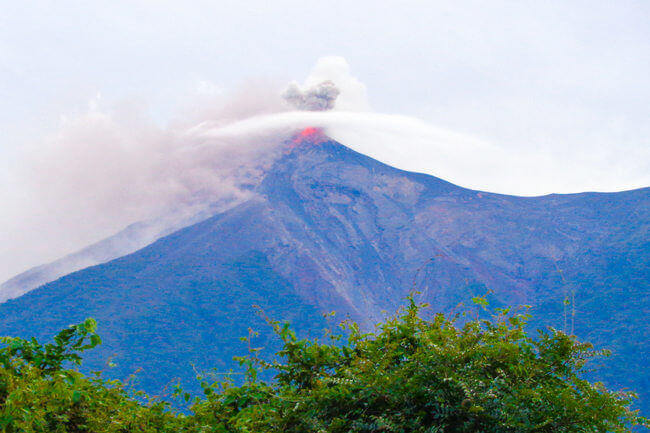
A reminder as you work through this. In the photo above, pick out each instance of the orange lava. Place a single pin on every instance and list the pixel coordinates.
(307, 132)
(309, 135)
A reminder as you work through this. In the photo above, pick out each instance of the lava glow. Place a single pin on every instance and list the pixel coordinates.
(309, 135)
(308, 132)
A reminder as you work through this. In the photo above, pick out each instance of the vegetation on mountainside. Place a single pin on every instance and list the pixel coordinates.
(457, 373)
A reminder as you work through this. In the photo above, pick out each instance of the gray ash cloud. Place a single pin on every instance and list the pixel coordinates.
(320, 97)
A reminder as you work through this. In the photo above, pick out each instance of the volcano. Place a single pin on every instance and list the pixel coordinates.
(332, 229)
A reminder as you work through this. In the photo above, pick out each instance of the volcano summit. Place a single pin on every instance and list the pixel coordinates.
(331, 229)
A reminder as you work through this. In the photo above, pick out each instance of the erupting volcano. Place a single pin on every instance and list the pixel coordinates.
(329, 229)
(309, 135)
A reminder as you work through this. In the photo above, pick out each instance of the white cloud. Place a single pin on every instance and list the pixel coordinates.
(412, 144)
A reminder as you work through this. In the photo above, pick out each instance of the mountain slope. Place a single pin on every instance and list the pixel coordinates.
(330, 229)
(132, 238)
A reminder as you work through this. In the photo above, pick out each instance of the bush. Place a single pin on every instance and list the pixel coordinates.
(38, 394)
(457, 373)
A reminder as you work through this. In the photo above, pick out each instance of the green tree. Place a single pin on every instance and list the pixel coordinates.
(42, 391)
(447, 374)
(460, 373)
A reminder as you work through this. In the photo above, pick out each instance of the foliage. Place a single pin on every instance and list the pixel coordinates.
(460, 373)
(38, 394)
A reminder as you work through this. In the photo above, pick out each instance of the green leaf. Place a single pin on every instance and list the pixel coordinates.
(76, 396)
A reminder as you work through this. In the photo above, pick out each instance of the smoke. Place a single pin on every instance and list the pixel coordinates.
(329, 85)
(106, 169)
(110, 167)
(317, 98)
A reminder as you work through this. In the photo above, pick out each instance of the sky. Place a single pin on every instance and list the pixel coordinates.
(521, 97)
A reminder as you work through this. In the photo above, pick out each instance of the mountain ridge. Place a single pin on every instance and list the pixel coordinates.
(332, 229)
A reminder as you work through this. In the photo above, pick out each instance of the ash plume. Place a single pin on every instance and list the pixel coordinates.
(320, 97)
(105, 169)
(111, 166)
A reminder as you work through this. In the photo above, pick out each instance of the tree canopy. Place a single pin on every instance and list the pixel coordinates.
(463, 372)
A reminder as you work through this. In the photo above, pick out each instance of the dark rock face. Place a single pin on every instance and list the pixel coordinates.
(331, 229)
